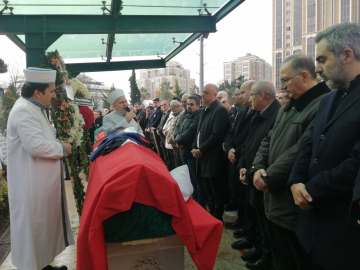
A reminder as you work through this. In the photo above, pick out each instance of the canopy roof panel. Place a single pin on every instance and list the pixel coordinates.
(111, 30)
(130, 7)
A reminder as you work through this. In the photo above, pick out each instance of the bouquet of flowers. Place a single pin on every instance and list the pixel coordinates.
(79, 88)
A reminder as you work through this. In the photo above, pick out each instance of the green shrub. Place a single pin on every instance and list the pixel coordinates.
(4, 199)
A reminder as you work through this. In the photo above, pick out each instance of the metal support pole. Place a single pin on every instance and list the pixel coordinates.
(201, 86)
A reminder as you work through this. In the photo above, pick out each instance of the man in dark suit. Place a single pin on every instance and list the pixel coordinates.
(233, 145)
(323, 176)
(264, 102)
(154, 120)
(207, 148)
(140, 115)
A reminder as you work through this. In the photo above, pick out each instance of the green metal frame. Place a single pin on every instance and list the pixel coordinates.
(226, 9)
(43, 30)
(115, 10)
(76, 68)
(100, 24)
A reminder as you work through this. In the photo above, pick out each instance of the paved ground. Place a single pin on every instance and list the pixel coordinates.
(227, 258)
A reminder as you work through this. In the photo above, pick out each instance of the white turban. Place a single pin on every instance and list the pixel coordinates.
(39, 75)
(114, 96)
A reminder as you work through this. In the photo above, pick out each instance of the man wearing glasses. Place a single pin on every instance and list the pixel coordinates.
(278, 152)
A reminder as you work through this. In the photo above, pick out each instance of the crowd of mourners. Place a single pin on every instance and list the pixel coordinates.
(287, 161)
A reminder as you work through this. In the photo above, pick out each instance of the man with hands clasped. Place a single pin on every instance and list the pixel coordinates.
(278, 152)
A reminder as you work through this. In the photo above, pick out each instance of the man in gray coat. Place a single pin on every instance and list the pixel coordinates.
(278, 152)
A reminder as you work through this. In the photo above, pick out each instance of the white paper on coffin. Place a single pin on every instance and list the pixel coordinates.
(182, 176)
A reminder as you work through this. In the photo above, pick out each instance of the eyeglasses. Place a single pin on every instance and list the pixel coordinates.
(251, 94)
(284, 81)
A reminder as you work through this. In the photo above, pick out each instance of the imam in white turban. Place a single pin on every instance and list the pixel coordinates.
(39, 75)
(114, 96)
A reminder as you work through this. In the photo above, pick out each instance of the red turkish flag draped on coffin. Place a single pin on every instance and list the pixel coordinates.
(134, 173)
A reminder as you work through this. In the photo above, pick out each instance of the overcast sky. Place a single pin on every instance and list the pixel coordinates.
(247, 29)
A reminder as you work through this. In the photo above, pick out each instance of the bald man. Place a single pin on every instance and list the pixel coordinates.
(213, 125)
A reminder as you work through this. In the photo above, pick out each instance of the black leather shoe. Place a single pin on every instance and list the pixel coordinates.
(49, 267)
(259, 265)
(242, 244)
(234, 225)
(253, 254)
(240, 233)
(230, 207)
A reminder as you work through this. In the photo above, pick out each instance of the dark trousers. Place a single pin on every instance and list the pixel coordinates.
(214, 188)
(168, 157)
(262, 223)
(177, 157)
(288, 250)
(251, 227)
(197, 182)
(240, 201)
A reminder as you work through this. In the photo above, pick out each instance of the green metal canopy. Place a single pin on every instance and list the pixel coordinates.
(151, 31)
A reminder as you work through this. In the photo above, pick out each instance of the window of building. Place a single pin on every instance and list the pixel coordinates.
(245, 64)
(278, 62)
(296, 51)
(287, 45)
(310, 47)
(297, 36)
(287, 12)
(288, 20)
(278, 21)
(287, 28)
(288, 4)
(245, 69)
(311, 16)
(227, 65)
(287, 36)
(227, 71)
(246, 74)
(287, 53)
(345, 10)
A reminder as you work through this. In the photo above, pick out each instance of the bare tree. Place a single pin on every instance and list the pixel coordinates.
(82, 77)
(16, 79)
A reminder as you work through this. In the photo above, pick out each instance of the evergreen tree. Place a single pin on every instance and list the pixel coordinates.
(144, 94)
(232, 86)
(178, 92)
(194, 90)
(165, 91)
(106, 105)
(135, 95)
(3, 66)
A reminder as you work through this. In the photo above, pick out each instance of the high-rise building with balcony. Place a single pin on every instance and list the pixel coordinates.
(151, 79)
(296, 23)
(250, 66)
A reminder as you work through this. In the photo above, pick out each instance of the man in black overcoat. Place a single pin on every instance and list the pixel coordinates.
(233, 145)
(322, 178)
(141, 116)
(264, 102)
(214, 123)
